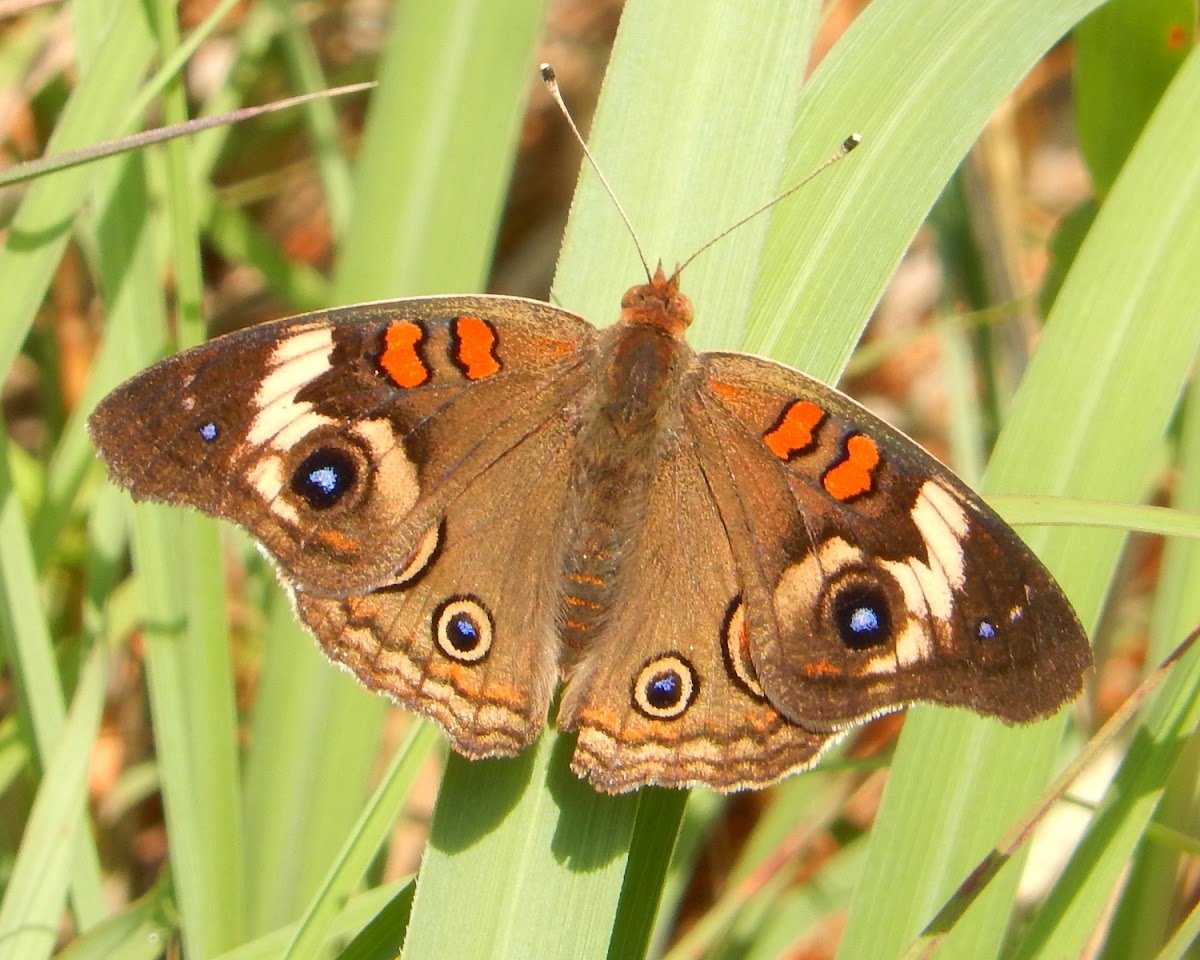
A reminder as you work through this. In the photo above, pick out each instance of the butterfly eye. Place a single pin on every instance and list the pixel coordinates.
(462, 629)
(324, 477)
(861, 617)
(665, 687)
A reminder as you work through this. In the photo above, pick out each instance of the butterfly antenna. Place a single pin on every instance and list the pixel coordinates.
(848, 144)
(550, 79)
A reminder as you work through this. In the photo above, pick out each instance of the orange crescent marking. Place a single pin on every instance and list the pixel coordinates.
(852, 476)
(794, 432)
(400, 360)
(584, 578)
(337, 540)
(761, 719)
(476, 348)
(821, 668)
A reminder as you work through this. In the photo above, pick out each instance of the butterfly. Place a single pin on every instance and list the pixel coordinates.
(725, 563)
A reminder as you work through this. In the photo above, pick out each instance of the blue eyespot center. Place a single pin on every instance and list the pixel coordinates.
(209, 432)
(463, 629)
(664, 690)
(324, 477)
(861, 617)
(665, 687)
(986, 630)
(462, 632)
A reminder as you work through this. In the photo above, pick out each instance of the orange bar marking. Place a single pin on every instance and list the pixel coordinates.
(852, 477)
(584, 578)
(579, 602)
(338, 540)
(821, 668)
(475, 348)
(400, 360)
(794, 431)
(761, 719)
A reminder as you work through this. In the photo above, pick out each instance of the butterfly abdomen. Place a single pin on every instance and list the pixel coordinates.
(628, 425)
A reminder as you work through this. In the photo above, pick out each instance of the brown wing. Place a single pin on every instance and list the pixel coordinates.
(338, 438)
(406, 464)
(876, 578)
(468, 634)
(664, 692)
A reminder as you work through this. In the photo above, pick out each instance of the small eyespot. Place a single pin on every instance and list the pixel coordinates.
(735, 644)
(324, 477)
(209, 432)
(861, 618)
(986, 630)
(665, 687)
(462, 629)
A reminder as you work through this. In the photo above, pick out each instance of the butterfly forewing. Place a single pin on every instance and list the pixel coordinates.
(894, 583)
(337, 438)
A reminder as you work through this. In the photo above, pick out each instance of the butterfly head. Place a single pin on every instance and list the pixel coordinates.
(658, 303)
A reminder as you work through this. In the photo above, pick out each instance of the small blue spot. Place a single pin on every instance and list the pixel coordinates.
(986, 630)
(324, 477)
(664, 689)
(462, 632)
(864, 620)
(209, 431)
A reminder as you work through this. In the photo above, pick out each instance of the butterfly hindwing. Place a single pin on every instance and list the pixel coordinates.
(664, 693)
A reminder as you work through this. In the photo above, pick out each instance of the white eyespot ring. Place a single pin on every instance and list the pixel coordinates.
(735, 642)
(665, 687)
(462, 629)
(426, 549)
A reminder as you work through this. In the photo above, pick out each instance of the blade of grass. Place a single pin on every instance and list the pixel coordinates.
(1152, 217)
(31, 252)
(540, 856)
(1123, 326)
(430, 182)
(36, 890)
(1147, 908)
(319, 117)
(366, 839)
(1125, 55)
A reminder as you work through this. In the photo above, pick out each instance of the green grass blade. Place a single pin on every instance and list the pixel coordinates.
(1125, 55)
(1123, 326)
(1152, 217)
(36, 891)
(541, 857)
(367, 838)
(430, 182)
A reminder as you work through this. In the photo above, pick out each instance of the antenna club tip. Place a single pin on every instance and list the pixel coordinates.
(851, 142)
(548, 74)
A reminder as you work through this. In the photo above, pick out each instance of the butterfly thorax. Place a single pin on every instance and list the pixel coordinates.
(626, 430)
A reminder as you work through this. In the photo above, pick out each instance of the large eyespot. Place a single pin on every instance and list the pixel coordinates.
(665, 687)
(462, 629)
(324, 477)
(735, 644)
(861, 617)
